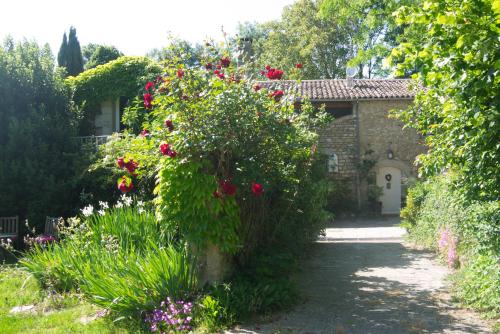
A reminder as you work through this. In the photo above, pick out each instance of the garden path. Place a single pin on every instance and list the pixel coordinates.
(362, 278)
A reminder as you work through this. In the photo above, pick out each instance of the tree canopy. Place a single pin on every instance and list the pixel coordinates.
(36, 120)
(99, 55)
(455, 48)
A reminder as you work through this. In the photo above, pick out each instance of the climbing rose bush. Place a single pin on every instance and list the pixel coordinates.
(226, 154)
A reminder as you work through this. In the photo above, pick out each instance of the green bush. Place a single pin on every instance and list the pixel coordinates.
(438, 216)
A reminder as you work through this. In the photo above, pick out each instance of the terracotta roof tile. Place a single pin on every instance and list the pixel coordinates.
(336, 89)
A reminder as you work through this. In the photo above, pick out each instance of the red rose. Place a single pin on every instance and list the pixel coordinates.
(217, 194)
(171, 153)
(120, 162)
(257, 87)
(170, 125)
(218, 67)
(180, 73)
(227, 187)
(225, 62)
(147, 100)
(209, 66)
(274, 74)
(149, 85)
(268, 67)
(131, 165)
(164, 148)
(219, 74)
(257, 189)
(299, 65)
(262, 73)
(125, 185)
(145, 133)
(277, 94)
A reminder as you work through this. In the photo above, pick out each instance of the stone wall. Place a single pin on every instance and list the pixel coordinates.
(340, 138)
(379, 133)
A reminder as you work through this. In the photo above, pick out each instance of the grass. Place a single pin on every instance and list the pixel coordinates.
(55, 313)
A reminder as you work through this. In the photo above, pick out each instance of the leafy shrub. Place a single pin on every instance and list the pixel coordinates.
(477, 283)
(465, 233)
(236, 166)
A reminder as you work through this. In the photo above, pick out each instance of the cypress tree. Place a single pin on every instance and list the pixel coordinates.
(70, 54)
(61, 56)
(74, 54)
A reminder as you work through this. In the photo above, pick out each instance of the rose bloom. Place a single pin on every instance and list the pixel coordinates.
(147, 100)
(164, 148)
(123, 187)
(131, 165)
(208, 66)
(169, 124)
(257, 189)
(149, 85)
(257, 87)
(225, 62)
(227, 187)
(268, 67)
(145, 133)
(219, 74)
(172, 153)
(299, 65)
(120, 162)
(180, 73)
(277, 94)
(274, 74)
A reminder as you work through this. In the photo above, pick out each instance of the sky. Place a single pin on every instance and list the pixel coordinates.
(134, 27)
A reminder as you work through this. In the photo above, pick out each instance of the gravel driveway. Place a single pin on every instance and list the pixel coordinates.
(361, 278)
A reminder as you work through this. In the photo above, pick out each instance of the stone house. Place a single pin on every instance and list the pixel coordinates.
(368, 152)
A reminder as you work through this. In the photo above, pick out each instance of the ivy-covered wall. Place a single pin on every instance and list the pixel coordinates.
(123, 77)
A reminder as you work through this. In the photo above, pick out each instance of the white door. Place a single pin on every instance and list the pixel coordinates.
(389, 178)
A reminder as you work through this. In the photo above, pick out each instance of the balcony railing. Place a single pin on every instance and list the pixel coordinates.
(93, 141)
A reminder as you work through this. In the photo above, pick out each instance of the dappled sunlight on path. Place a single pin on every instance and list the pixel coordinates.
(361, 278)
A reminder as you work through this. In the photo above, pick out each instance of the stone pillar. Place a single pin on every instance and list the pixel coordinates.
(213, 265)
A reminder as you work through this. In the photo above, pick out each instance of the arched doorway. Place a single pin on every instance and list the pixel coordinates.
(389, 178)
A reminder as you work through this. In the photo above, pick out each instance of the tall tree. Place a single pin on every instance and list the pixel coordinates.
(302, 36)
(370, 29)
(70, 54)
(61, 56)
(102, 54)
(38, 157)
(455, 46)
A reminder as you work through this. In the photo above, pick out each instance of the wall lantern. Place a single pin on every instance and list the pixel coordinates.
(390, 154)
(333, 163)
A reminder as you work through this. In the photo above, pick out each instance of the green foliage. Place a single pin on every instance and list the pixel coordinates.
(119, 260)
(189, 54)
(70, 54)
(37, 122)
(302, 36)
(101, 55)
(370, 29)
(124, 76)
(476, 285)
(455, 47)
(438, 205)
